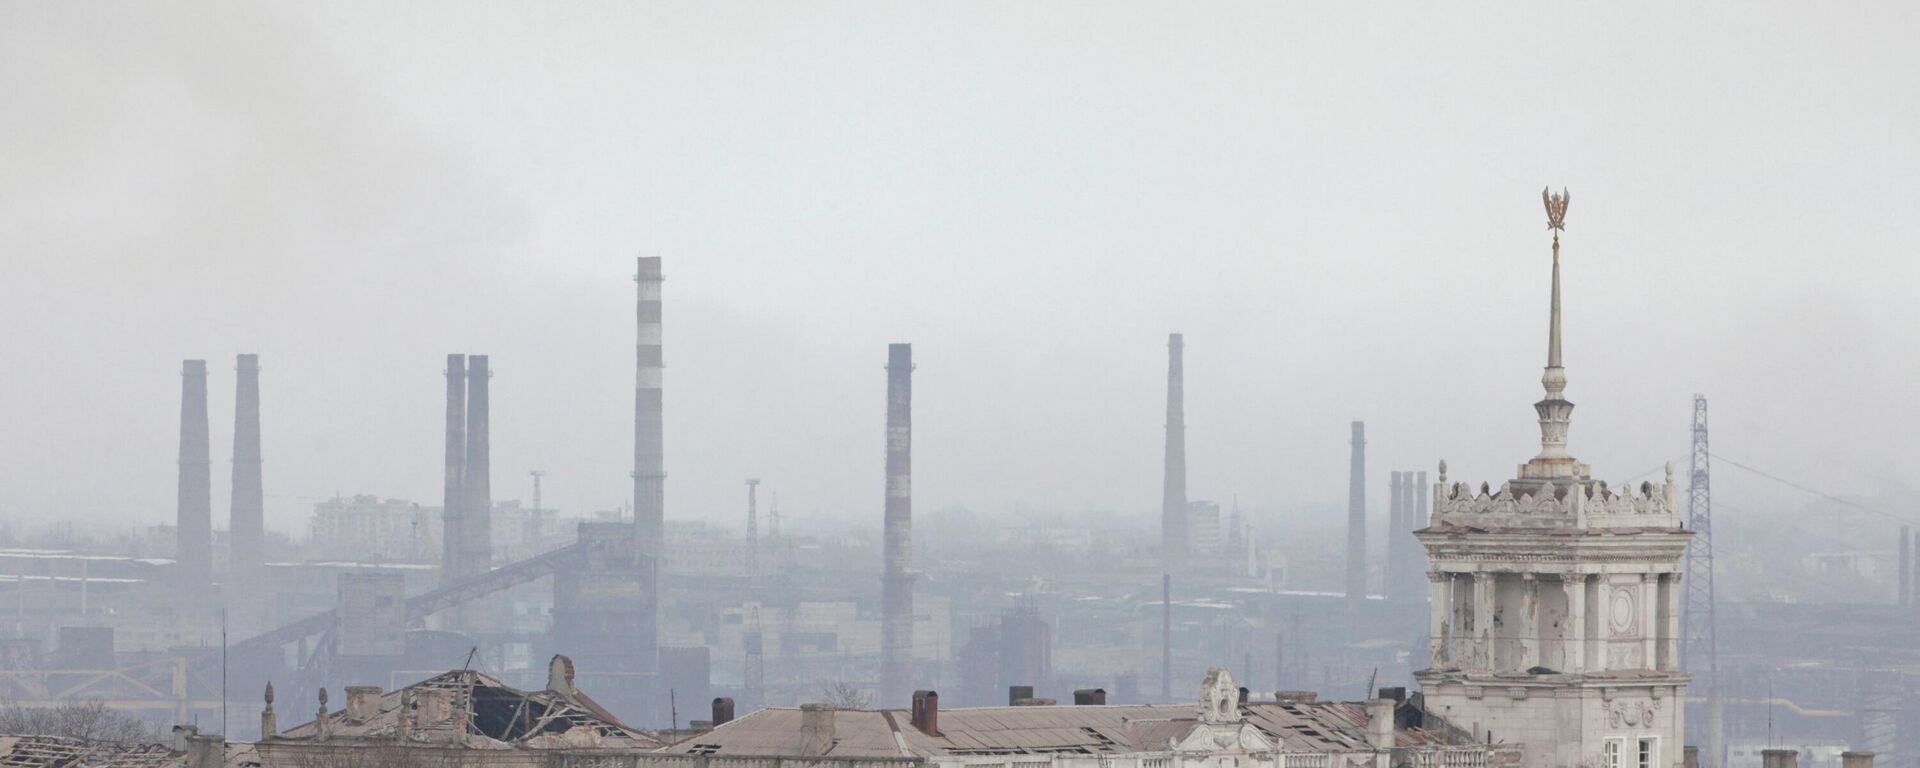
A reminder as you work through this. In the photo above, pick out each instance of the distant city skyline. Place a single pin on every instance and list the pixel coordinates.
(1335, 206)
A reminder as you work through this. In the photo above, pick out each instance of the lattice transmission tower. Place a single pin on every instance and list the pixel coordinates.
(1698, 644)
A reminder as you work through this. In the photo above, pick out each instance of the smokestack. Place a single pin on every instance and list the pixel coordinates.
(246, 537)
(1166, 638)
(452, 511)
(476, 493)
(649, 452)
(649, 465)
(1173, 483)
(896, 586)
(1906, 566)
(194, 522)
(1357, 516)
(1417, 518)
(753, 529)
(1396, 484)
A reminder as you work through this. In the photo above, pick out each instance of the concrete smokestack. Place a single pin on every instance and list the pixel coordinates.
(1394, 553)
(1357, 515)
(649, 465)
(1173, 478)
(476, 493)
(896, 585)
(649, 453)
(246, 537)
(452, 511)
(1906, 566)
(1166, 638)
(753, 528)
(194, 518)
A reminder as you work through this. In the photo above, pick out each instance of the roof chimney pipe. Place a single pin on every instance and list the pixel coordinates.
(926, 712)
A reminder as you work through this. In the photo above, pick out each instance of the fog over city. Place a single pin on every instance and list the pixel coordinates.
(1343, 225)
(541, 379)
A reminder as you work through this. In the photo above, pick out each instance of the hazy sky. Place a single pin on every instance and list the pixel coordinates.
(1337, 203)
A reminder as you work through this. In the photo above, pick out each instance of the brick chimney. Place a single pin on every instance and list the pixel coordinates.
(206, 751)
(816, 729)
(1380, 723)
(926, 712)
(363, 702)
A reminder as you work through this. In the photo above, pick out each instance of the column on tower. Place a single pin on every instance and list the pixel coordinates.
(1440, 602)
(1650, 620)
(1529, 621)
(1575, 651)
(1482, 620)
(1671, 645)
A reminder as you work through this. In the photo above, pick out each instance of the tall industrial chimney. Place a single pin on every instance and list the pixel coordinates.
(246, 537)
(194, 522)
(1395, 577)
(476, 492)
(753, 529)
(1417, 516)
(896, 585)
(649, 456)
(649, 465)
(1173, 481)
(1357, 516)
(452, 511)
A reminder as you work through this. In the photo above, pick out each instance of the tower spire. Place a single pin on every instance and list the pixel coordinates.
(1554, 411)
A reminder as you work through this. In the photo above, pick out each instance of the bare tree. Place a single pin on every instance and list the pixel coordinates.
(845, 695)
(85, 720)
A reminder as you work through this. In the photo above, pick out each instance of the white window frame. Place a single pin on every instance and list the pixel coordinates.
(1613, 753)
(1650, 747)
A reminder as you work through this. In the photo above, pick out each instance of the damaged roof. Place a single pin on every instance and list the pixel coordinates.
(474, 710)
(1297, 726)
(62, 752)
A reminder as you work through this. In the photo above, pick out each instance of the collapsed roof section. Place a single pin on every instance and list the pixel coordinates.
(470, 709)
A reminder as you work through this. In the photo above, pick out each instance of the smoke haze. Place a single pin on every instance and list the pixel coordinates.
(1335, 205)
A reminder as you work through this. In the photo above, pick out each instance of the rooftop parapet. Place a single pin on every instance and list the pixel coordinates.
(1571, 504)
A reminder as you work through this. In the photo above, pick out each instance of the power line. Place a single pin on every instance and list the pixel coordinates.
(1817, 492)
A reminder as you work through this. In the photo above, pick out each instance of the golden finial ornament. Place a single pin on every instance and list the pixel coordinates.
(1556, 208)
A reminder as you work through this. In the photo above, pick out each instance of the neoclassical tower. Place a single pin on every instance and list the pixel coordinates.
(1555, 609)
